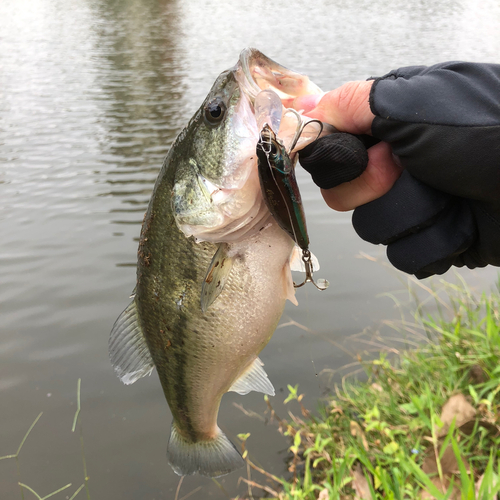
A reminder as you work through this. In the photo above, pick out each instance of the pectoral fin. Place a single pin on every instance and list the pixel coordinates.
(254, 378)
(128, 351)
(216, 277)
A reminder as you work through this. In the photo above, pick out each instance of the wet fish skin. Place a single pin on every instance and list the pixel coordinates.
(207, 194)
(199, 356)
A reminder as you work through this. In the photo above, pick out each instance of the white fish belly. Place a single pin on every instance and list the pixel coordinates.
(238, 325)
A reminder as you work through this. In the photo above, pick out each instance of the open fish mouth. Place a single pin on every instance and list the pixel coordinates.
(216, 194)
(256, 72)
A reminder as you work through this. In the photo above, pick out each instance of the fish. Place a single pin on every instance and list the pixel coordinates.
(213, 270)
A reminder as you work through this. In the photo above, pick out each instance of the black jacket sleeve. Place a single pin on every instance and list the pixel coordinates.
(443, 122)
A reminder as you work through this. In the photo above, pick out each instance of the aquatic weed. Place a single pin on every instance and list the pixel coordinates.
(15, 456)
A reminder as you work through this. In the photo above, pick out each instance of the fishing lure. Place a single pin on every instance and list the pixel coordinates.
(281, 193)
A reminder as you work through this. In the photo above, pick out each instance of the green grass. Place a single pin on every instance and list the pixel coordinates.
(388, 437)
(16, 456)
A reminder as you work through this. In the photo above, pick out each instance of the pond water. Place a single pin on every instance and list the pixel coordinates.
(92, 94)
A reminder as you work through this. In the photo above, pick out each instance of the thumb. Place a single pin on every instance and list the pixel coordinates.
(347, 108)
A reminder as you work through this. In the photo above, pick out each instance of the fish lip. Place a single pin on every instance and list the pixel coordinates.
(251, 58)
(247, 56)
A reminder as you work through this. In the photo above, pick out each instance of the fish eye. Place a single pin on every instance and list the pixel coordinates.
(274, 149)
(215, 111)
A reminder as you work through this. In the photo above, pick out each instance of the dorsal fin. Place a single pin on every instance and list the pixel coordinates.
(254, 378)
(128, 351)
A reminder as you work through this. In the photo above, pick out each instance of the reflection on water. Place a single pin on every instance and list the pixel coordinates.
(93, 92)
(142, 94)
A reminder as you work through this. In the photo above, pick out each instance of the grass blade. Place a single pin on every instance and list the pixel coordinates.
(28, 433)
(31, 490)
(77, 413)
(77, 491)
(57, 491)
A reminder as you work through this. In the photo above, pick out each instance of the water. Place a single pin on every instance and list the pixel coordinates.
(92, 93)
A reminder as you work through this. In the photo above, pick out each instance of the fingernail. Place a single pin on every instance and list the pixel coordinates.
(306, 103)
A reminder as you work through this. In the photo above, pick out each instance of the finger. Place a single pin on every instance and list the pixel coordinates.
(409, 207)
(379, 176)
(434, 249)
(426, 230)
(347, 108)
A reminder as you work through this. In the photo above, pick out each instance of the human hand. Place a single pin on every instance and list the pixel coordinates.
(347, 108)
(443, 123)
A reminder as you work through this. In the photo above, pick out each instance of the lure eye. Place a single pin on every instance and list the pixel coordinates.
(274, 150)
(215, 111)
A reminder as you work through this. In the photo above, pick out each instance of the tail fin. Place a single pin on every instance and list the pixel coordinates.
(213, 458)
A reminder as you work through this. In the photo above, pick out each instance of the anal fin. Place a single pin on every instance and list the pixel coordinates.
(216, 277)
(128, 351)
(254, 378)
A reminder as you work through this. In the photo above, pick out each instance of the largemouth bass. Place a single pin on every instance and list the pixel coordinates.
(213, 270)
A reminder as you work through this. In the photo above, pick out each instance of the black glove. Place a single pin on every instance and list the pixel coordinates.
(336, 158)
(443, 122)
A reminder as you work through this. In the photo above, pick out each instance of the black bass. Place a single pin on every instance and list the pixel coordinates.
(213, 269)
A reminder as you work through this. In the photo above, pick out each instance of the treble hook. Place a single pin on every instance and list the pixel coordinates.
(321, 284)
(300, 128)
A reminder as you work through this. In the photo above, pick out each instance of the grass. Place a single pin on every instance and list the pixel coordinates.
(15, 456)
(425, 423)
